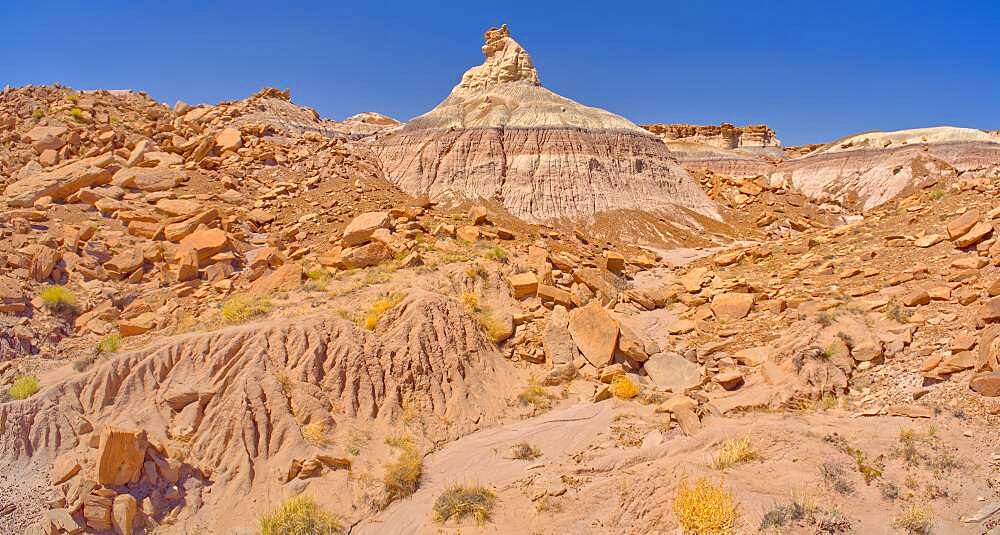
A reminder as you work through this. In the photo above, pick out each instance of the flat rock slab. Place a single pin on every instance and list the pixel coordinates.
(670, 370)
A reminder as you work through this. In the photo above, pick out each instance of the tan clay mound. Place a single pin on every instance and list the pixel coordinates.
(867, 170)
(500, 135)
(237, 400)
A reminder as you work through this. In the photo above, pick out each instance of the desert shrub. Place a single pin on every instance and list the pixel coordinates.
(471, 301)
(623, 388)
(705, 508)
(300, 516)
(315, 433)
(379, 308)
(24, 387)
(800, 512)
(76, 114)
(916, 518)
(834, 475)
(402, 476)
(38, 113)
(897, 312)
(57, 298)
(496, 253)
(84, 362)
(871, 470)
(241, 308)
(72, 97)
(535, 395)
(495, 329)
(525, 451)
(462, 501)
(734, 451)
(475, 271)
(936, 194)
(110, 343)
(319, 278)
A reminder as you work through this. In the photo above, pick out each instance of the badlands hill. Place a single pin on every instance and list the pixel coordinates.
(218, 318)
(501, 136)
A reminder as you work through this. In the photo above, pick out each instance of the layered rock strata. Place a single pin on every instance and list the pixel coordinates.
(500, 135)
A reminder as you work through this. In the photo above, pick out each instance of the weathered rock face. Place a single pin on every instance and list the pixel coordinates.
(500, 135)
(867, 170)
(723, 136)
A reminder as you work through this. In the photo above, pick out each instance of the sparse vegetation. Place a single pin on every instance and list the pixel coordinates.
(897, 312)
(402, 476)
(463, 501)
(936, 195)
(826, 402)
(110, 343)
(734, 451)
(38, 113)
(825, 319)
(800, 512)
(315, 433)
(535, 395)
(241, 308)
(475, 271)
(77, 115)
(24, 387)
(300, 516)
(496, 253)
(494, 327)
(871, 470)
(706, 508)
(525, 451)
(917, 519)
(57, 298)
(623, 388)
(319, 279)
(380, 307)
(835, 476)
(923, 448)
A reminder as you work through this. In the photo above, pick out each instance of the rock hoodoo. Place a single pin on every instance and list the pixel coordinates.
(501, 135)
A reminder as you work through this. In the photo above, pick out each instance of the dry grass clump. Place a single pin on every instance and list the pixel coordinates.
(380, 307)
(835, 476)
(315, 433)
(535, 395)
(110, 343)
(402, 477)
(241, 308)
(24, 387)
(57, 298)
(801, 512)
(734, 451)
(494, 327)
(319, 279)
(916, 518)
(525, 451)
(924, 448)
(462, 501)
(706, 508)
(623, 388)
(300, 516)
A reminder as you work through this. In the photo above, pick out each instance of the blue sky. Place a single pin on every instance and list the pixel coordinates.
(814, 71)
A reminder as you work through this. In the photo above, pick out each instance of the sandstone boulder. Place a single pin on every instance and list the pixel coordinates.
(595, 333)
(119, 457)
(731, 306)
(672, 371)
(360, 230)
(962, 224)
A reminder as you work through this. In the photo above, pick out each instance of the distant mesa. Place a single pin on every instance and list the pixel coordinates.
(500, 135)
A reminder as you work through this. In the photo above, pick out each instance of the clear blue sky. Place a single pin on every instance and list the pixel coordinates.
(812, 70)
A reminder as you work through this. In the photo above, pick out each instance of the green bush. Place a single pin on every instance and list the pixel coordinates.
(24, 387)
(110, 343)
(57, 298)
